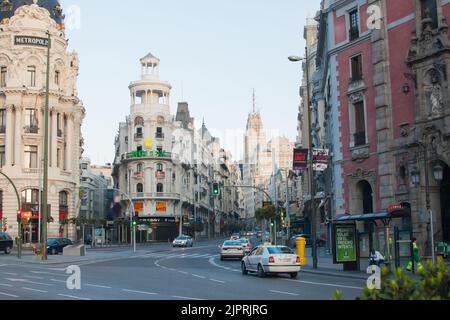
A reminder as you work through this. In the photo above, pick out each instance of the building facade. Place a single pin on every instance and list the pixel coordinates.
(23, 53)
(383, 81)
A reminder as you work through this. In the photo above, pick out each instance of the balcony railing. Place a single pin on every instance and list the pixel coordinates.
(139, 174)
(138, 136)
(160, 174)
(156, 195)
(32, 129)
(159, 135)
(360, 139)
(147, 155)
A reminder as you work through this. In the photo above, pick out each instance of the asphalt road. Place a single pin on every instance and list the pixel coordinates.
(176, 274)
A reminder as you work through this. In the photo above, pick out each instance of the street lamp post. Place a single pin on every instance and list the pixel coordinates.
(311, 163)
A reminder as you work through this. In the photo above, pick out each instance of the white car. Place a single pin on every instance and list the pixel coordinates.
(183, 241)
(268, 259)
(232, 249)
(246, 244)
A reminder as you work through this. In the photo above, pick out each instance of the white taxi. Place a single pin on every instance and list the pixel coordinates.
(232, 249)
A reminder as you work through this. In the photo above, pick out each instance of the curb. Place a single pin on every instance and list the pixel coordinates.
(334, 274)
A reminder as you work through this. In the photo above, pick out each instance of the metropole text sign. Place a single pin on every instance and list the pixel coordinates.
(30, 41)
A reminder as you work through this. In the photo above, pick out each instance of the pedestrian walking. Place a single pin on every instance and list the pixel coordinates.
(415, 257)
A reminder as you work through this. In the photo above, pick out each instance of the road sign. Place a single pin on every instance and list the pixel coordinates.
(300, 159)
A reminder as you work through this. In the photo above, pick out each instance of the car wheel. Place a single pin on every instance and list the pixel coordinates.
(261, 272)
(7, 250)
(294, 275)
(244, 269)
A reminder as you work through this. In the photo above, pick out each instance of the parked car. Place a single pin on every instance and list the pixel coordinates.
(246, 244)
(6, 243)
(231, 249)
(183, 241)
(57, 245)
(265, 260)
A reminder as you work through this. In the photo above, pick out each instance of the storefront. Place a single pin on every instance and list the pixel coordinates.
(160, 229)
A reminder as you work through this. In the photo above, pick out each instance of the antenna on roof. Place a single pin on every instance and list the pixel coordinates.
(254, 102)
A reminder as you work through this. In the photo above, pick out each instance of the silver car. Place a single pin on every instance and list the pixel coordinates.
(183, 241)
(232, 249)
(270, 259)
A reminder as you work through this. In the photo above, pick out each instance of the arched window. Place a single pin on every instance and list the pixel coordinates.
(30, 196)
(159, 167)
(139, 188)
(159, 188)
(429, 11)
(140, 168)
(63, 206)
(31, 76)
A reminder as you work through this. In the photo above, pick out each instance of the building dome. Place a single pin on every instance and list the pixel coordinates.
(8, 7)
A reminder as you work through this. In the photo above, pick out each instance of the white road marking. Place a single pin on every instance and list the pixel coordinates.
(173, 270)
(10, 273)
(73, 297)
(28, 281)
(40, 272)
(57, 269)
(3, 265)
(219, 281)
(31, 289)
(282, 292)
(183, 272)
(54, 280)
(197, 276)
(97, 286)
(6, 285)
(8, 295)
(325, 284)
(185, 298)
(33, 277)
(140, 292)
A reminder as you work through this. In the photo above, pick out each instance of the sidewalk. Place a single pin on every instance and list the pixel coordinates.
(98, 254)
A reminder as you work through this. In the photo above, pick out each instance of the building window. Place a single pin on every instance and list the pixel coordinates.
(360, 124)
(354, 24)
(2, 121)
(139, 188)
(429, 10)
(58, 157)
(31, 157)
(159, 133)
(2, 156)
(4, 70)
(30, 196)
(139, 134)
(159, 167)
(57, 78)
(31, 121)
(31, 76)
(159, 188)
(356, 65)
(63, 198)
(140, 168)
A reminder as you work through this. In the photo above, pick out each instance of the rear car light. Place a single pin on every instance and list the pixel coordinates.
(271, 260)
(298, 259)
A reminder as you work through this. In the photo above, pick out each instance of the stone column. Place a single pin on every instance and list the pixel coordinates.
(18, 137)
(9, 136)
(54, 141)
(69, 141)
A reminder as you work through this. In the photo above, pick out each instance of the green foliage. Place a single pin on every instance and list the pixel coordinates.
(433, 284)
(338, 295)
(266, 213)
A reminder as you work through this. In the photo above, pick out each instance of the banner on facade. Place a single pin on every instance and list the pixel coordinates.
(138, 207)
(300, 159)
(320, 159)
(161, 206)
(345, 246)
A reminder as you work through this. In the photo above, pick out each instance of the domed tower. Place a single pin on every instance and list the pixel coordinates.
(146, 170)
(25, 26)
(9, 7)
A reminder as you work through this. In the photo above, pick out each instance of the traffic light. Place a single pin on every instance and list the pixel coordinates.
(19, 216)
(216, 189)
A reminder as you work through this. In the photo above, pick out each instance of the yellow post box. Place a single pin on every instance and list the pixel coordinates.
(301, 251)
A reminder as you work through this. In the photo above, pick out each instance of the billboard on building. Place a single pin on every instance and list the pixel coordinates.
(161, 207)
(300, 159)
(320, 159)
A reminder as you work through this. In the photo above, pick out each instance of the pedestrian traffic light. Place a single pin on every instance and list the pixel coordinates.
(216, 189)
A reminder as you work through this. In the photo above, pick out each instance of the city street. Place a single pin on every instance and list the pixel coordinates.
(169, 274)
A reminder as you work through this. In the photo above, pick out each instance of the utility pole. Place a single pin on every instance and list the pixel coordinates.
(45, 178)
(288, 203)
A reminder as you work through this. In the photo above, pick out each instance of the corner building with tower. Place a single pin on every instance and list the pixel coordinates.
(23, 64)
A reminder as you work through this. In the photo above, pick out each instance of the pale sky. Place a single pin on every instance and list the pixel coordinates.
(213, 52)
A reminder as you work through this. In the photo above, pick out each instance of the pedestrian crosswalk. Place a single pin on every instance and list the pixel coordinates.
(178, 256)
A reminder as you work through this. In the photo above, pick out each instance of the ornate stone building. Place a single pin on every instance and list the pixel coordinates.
(23, 52)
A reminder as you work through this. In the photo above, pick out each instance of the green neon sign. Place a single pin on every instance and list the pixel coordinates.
(149, 154)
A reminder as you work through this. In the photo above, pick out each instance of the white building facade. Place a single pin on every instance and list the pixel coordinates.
(23, 54)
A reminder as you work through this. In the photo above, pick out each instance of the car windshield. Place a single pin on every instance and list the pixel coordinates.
(52, 241)
(232, 243)
(279, 250)
(182, 238)
(243, 241)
